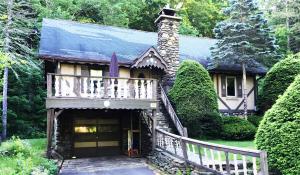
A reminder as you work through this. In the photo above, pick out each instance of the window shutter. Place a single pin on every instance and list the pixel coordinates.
(85, 71)
(239, 86)
(223, 86)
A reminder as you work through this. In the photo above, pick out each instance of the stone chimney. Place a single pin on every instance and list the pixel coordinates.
(168, 41)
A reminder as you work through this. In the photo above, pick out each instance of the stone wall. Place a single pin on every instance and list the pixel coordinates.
(63, 141)
(172, 165)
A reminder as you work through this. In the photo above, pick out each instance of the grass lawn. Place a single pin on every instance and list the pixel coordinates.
(22, 162)
(242, 144)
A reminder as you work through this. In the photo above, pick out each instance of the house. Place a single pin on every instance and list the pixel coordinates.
(90, 113)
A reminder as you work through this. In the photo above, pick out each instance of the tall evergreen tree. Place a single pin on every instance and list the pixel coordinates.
(16, 31)
(244, 38)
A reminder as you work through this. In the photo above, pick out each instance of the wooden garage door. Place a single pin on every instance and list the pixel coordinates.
(96, 137)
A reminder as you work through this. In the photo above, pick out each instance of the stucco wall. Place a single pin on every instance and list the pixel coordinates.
(233, 102)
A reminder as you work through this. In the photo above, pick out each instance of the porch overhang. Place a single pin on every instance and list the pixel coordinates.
(94, 103)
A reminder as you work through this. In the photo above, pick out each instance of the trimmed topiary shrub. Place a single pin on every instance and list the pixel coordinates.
(279, 132)
(195, 100)
(280, 76)
(255, 119)
(236, 128)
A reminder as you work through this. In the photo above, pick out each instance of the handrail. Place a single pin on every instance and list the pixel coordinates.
(181, 130)
(216, 158)
(148, 120)
(104, 77)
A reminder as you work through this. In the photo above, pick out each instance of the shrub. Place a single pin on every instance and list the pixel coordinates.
(280, 76)
(279, 132)
(255, 119)
(207, 126)
(15, 146)
(236, 128)
(194, 97)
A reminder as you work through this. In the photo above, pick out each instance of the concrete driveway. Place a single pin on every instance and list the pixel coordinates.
(117, 165)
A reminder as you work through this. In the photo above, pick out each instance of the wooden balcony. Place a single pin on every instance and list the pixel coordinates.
(89, 92)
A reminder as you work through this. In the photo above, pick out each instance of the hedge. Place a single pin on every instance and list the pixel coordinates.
(280, 76)
(279, 132)
(195, 100)
(236, 128)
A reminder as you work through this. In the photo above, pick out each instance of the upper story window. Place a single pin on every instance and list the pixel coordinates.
(231, 86)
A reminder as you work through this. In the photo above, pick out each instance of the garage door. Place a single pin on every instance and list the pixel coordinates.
(96, 137)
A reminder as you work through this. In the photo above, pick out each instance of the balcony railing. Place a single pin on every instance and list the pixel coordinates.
(59, 85)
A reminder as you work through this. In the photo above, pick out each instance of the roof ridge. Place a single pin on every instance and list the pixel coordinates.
(123, 28)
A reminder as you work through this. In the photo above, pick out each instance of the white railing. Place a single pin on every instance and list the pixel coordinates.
(181, 130)
(215, 158)
(59, 85)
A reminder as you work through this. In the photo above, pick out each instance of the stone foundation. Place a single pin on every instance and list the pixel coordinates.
(172, 165)
(62, 142)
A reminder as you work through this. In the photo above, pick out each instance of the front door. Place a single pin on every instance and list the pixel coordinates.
(96, 137)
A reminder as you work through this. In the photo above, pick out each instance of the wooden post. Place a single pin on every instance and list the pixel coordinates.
(264, 163)
(49, 85)
(227, 163)
(185, 133)
(154, 90)
(50, 118)
(153, 130)
(184, 150)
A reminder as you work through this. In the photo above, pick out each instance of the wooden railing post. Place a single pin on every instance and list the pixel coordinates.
(185, 134)
(264, 163)
(154, 90)
(49, 85)
(153, 129)
(184, 150)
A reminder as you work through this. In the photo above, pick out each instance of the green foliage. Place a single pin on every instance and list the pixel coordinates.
(23, 157)
(255, 119)
(279, 132)
(280, 76)
(245, 37)
(195, 99)
(284, 17)
(14, 146)
(134, 14)
(203, 15)
(235, 128)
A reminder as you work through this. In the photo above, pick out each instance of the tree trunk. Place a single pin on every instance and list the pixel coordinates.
(287, 23)
(4, 103)
(7, 41)
(245, 95)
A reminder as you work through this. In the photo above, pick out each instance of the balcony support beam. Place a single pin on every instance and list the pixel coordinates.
(94, 103)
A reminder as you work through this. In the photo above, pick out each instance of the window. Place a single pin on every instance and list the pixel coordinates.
(230, 86)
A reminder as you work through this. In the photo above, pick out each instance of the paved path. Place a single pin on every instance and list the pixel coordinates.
(118, 165)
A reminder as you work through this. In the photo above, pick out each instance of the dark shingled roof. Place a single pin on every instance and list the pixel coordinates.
(68, 40)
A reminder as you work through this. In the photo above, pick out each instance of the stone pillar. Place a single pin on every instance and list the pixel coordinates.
(168, 42)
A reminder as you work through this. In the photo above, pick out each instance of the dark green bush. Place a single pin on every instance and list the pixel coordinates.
(279, 132)
(236, 128)
(255, 119)
(280, 76)
(195, 99)
(208, 126)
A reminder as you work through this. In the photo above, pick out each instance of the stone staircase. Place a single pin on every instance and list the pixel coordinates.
(163, 118)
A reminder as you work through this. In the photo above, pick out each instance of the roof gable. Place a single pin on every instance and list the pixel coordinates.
(151, 58)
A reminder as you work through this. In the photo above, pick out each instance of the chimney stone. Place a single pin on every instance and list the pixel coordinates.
(168, 42)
